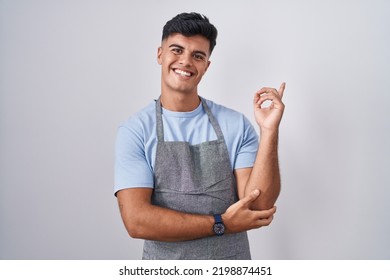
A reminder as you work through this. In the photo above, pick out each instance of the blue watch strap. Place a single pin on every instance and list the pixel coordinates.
(218, 218)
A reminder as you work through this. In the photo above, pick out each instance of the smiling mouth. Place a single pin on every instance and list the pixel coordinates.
(183, 73)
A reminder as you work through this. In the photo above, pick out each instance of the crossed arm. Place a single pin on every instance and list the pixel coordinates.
(258, 189)
(147, 221)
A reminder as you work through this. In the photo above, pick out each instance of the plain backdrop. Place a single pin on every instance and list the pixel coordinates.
(72, 71)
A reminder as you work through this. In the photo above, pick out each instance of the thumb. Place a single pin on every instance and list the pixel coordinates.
(251, 197)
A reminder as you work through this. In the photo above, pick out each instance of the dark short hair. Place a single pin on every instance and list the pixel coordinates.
(191, 24)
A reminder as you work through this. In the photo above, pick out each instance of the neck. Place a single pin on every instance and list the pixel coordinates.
(180, 102)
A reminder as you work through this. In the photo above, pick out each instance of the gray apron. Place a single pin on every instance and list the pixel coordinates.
(195, 179)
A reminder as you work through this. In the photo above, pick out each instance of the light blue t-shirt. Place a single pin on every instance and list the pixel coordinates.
(136, 142)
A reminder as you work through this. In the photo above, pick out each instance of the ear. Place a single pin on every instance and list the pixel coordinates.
(159, 52)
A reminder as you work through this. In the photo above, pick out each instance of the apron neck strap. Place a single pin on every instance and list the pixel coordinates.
(159, 122)
(213, 121)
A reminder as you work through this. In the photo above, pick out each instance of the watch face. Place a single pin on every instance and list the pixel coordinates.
(219, 228)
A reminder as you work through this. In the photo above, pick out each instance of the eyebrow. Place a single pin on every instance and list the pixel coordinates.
(180, 47)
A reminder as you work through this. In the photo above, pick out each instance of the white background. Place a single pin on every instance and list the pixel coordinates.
(71, 71)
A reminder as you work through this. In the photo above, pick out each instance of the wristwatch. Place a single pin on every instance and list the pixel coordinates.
(218, 227)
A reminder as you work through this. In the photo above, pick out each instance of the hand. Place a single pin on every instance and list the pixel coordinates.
(239, 217)
(269, 118)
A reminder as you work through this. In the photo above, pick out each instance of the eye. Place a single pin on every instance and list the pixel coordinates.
(177, 50)
(199, 56)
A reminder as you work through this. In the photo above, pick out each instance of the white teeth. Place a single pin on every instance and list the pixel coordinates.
(183, 73)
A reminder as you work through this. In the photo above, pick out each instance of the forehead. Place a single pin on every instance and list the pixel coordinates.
(193, 43)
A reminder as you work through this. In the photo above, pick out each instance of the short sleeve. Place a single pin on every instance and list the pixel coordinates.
(247, 150)
(131, 167)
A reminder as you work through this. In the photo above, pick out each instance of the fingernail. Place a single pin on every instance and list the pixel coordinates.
(256, 192)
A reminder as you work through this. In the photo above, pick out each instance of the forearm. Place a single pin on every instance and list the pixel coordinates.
(161, 224)
(144, 220)
(265, 173)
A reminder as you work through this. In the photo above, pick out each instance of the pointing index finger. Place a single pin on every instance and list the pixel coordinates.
(281, 89)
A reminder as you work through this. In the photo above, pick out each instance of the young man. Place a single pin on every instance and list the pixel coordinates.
(190, 176)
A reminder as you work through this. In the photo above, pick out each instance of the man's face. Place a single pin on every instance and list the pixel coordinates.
(183, 60)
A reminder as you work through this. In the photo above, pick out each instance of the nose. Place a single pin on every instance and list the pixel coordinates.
(186, 59)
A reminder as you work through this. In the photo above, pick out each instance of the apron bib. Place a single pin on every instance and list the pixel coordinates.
(195, 179)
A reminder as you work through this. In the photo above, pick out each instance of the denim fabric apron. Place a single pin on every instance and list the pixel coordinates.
(195, 179)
